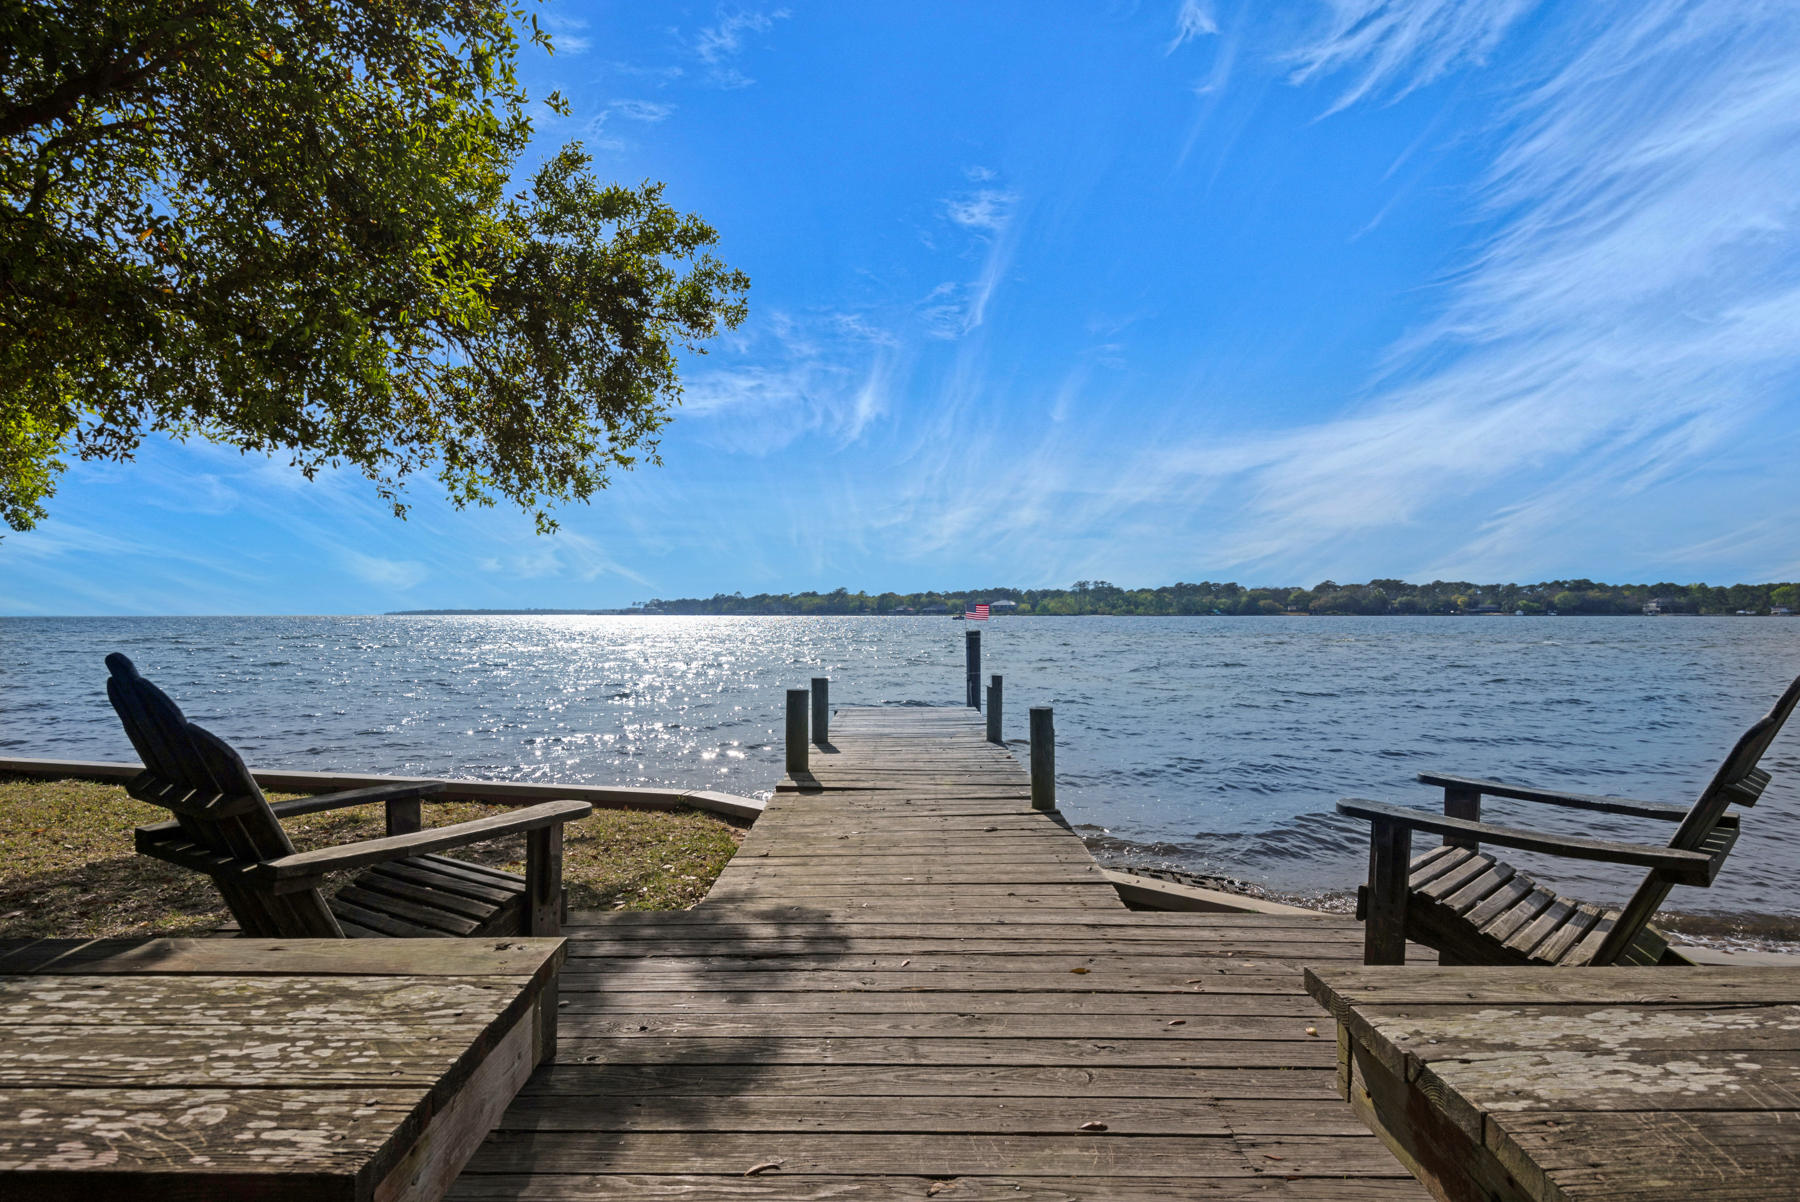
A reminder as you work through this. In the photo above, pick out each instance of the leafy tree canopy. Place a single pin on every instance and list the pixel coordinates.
(285, 226)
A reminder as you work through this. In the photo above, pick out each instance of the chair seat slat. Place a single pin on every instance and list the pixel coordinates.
(1560, 941)
(431, 916)
(1473, 865)
(406, 890)
(1526, 939)
(387, 926)
(470, 871)
(1492, 877)
(1501, 926)
(416, 872)
(1427, 868)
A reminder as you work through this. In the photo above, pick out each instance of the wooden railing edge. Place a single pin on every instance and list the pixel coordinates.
(1156, 894)
(505, 792)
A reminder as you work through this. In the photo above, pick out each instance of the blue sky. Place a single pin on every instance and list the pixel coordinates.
(1184, 289)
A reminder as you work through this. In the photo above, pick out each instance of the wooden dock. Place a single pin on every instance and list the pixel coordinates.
(908, 984)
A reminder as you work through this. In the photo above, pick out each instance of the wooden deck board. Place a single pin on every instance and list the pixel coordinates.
(1622, 1083)
(303, 1070)
(907, 978)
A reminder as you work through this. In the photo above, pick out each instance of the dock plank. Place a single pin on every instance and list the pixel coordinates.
(909, 982)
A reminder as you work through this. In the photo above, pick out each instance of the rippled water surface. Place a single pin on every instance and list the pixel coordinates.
(1219, 742)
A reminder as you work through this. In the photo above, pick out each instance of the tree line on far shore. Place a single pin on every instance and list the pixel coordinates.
(1326, 597)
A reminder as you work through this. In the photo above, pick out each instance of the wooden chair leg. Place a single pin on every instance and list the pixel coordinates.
(543, 881)
(1390, 861)
(1460, 801)
(404, 816)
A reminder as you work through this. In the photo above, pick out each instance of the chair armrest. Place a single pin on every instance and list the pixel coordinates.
(1682, 867)
(399, 791)
(1557, 797)
(303, 869)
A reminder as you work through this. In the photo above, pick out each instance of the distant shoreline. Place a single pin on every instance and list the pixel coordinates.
(659, 613)
(1375, 598)
(508, 613)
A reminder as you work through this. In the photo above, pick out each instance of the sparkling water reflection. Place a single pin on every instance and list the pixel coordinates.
(1220, 743)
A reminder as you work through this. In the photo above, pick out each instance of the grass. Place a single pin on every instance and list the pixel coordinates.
(68, 868)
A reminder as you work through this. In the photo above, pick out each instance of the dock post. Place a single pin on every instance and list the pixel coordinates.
(796, 732)
(821, 701)
(972, 660)
(993, 713)
(1043, 758)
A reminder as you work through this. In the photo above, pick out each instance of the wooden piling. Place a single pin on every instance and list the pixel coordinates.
(796, 732)
(972, 662)
(993, 711)
(821, 710)
(1043, 758)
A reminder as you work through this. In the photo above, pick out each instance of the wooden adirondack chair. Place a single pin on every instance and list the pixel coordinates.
(225, 828)
(1474, 909)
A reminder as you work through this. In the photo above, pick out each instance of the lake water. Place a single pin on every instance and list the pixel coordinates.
(1212, 744)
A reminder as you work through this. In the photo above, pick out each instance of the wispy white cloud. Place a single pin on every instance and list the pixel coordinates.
(648, 111)
(987, 210)
(718, 45)
(1193, 19)
(944, 311)
(1628, 310)
(395, 574)
(857, 326)
(981, 290)
(1396, 46)
(829, 374)
(1209, 91)
(565, 555)
(193, 492)
(955, 307)
(1623, 315)
(568, 34)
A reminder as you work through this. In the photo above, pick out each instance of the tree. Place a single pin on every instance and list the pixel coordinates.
(284, 226)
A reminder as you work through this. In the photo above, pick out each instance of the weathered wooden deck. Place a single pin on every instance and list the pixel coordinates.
(909, 984)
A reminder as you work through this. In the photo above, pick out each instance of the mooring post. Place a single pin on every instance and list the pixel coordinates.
(972, 659)
(1043, 758)
(994, 710)
(796, 732)
(821, 697)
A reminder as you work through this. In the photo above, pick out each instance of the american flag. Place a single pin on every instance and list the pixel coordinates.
(977, 613)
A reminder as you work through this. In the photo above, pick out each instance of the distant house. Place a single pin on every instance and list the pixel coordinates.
(1665, 605)
(935, 609)
(1484, 609)
(1003, 605)
(1781, 611)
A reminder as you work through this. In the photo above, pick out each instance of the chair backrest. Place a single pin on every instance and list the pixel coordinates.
(1739, 780)
(197, 776)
